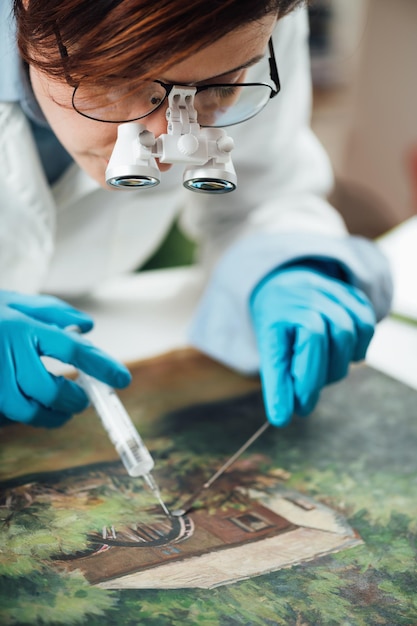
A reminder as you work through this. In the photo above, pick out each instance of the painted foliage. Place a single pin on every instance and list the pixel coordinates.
(67, 506)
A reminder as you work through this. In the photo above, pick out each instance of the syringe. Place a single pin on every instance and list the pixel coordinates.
(134, 454)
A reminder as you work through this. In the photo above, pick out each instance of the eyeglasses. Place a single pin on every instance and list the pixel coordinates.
(217, 104)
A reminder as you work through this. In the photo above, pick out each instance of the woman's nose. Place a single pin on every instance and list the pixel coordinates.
(156, 122)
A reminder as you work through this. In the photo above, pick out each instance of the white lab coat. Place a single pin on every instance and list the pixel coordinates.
(68, 238)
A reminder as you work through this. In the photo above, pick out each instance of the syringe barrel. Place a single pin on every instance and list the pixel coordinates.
(134, 454)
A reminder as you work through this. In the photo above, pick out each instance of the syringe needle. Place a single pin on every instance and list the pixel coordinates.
(190, 501)
(155, 490)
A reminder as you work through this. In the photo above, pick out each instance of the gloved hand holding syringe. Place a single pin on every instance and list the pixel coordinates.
(134, 454)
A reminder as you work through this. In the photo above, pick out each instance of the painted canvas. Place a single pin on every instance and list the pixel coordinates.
(246, 526)
(316, 524)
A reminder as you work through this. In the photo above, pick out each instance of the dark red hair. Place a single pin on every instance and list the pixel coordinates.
(105, 39)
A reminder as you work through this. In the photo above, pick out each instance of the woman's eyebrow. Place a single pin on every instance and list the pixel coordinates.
(240, 67)
(244, 66)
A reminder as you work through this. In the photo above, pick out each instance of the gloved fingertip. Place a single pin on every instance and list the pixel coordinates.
(337, 373)
(4, 421)
(57, 420)
(278, 398)
(72, 400)
(82, 404)
(304, 407)
(85, 325)
(49, 419)
(123, 379)
(278, 419)
(82, 321)
(360, 351)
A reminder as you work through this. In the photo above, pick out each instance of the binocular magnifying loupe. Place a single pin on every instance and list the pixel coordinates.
(205, 151)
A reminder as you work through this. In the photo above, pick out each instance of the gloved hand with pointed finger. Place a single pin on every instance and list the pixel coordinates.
(309, 327)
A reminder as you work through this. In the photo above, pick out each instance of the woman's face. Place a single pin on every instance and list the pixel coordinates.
(90, 142)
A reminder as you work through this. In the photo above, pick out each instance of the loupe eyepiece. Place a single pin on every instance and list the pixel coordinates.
(129, 181)
(208, 185)
(131, 177)
(132, 164)
(210, 179)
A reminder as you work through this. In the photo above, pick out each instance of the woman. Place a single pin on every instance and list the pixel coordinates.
(289, 292)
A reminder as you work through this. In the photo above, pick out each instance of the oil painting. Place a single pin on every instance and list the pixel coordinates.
(238, 533)
(314, 524)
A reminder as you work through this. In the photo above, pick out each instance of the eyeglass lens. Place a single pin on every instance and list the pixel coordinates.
(219, 105)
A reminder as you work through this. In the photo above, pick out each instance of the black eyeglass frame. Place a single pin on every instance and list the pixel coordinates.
(273, 74)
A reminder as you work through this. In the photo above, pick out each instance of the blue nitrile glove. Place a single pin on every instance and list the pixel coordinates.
(31, 326)
(309, 327)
